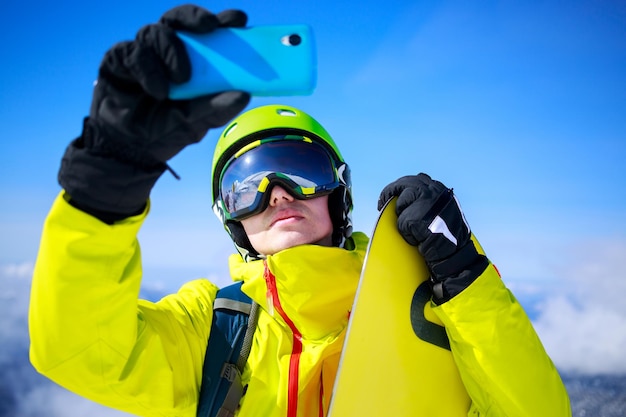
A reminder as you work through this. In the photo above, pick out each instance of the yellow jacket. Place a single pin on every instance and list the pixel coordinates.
(91, 334)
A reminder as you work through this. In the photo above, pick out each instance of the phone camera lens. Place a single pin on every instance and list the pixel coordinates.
(291, 40)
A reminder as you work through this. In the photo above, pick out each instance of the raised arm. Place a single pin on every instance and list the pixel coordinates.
(89, 332)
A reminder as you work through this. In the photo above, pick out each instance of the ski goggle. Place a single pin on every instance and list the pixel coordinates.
(304, 168)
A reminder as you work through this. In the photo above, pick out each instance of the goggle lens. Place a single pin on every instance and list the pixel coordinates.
(301, 166)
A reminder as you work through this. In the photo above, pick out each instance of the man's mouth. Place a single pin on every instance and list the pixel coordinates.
(284, 216)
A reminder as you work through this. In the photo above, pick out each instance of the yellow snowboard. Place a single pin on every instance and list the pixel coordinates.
(396, 359)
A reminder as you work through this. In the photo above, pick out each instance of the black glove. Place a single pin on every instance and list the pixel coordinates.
(430, 218)
(133, 129)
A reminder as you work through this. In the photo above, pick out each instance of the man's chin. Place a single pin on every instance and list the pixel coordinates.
(290, 239)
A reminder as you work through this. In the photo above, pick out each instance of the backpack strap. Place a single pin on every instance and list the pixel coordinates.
(230, 340)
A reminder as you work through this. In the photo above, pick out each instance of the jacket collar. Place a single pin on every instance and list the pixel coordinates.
(315, 284)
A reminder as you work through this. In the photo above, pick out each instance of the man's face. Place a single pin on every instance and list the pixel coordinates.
(288, 222)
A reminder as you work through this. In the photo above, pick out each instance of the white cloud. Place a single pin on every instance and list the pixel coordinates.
(583, 339)
(583, 322)
(15, 285)
(17, 271)
(53, 401)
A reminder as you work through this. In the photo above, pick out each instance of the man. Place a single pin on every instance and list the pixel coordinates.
(282, 190)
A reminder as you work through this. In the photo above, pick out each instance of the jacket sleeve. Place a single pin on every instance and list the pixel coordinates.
(500, 357)
(91, 334)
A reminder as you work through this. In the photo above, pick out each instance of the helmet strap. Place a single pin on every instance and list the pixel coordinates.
(240, 238)
(339, 205)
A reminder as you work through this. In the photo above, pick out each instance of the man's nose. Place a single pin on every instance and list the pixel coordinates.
(279, 195)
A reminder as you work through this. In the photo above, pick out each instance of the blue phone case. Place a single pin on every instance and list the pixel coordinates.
(272, 60)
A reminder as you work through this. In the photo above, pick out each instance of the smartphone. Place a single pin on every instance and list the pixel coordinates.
(271, 60)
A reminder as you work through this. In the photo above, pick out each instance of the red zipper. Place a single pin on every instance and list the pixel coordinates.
(294, 361)
(321, 404)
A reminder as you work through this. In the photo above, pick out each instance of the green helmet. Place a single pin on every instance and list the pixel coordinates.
(271, 121)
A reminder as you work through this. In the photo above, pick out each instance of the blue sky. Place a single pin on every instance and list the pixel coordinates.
(519, 106)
